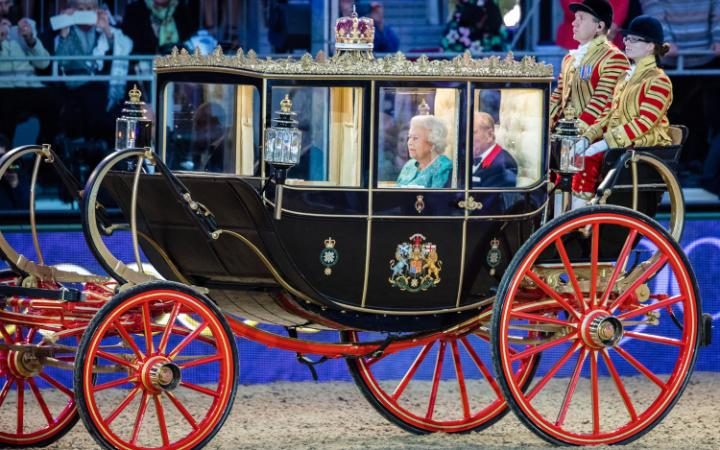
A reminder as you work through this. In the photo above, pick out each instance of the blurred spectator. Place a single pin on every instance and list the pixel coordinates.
(156, 26)
(9, 11)
(565, 33)
(85, 102)
(386, 41)
(476, 25)
(694, 25)
(27, 45)
(225, 16)
(345, 8)
(20, 96)
(14, 192)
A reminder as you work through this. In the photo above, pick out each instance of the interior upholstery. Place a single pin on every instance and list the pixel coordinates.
(520, 130)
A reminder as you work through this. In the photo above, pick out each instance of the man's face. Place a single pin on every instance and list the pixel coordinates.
(5, 6)
(84, 5)
(483, 135)
(585, 27)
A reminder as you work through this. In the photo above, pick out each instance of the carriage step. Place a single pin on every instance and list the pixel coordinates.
(64, 294)
(705, 330)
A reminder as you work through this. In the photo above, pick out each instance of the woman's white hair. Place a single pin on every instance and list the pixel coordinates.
(437, 131)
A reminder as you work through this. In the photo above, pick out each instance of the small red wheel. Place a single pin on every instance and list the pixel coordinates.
(166, 366)
(447, 385)
(604, 310)
(37, 404)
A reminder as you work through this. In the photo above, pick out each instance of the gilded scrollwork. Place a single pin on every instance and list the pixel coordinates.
(362, 64)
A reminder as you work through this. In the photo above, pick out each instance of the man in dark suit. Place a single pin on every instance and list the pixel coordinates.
(493, 167)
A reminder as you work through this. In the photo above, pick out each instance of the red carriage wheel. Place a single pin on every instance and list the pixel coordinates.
(619, 326)
(447, 385)
(166, 367)
(37, 404)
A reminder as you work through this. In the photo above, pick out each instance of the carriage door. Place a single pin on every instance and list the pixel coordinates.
(417, 232)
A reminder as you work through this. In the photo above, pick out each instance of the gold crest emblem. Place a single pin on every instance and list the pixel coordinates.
(416, 266)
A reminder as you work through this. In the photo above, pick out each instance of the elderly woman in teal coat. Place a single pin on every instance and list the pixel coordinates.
(427, 167)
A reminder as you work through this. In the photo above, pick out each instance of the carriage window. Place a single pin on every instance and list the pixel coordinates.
(330, 121)
(212, 128)
(418, 137)
(507, 138)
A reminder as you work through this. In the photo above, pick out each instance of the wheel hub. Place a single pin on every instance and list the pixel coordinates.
(160, 374)
(23, 364)
(599, 329)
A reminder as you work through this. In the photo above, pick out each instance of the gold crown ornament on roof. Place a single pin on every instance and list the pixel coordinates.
(354, 33)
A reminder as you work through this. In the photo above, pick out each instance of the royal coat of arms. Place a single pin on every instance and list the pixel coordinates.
(416, 266)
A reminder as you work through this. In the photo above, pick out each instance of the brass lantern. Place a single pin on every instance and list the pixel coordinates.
(133, 129)
(283, 141)
(565, 139)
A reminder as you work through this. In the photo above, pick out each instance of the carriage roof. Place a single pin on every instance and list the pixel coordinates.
(359, 65)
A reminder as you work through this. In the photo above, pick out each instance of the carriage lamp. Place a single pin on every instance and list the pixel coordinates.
(283, 142)
(133, 129)
(565, 139)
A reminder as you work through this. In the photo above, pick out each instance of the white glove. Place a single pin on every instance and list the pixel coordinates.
(581, 145)
(598, 147)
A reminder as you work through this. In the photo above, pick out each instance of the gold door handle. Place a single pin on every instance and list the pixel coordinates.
(470, 204)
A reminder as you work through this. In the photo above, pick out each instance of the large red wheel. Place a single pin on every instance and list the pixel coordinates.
(447, 385)
(166, 365)
(619, 323)
(37, 404)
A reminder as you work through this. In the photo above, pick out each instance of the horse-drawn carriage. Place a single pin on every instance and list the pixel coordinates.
(462, 295)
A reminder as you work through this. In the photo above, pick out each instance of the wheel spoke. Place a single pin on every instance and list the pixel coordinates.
(460, 379)
(657, 305)
(168, 327)
(595, 240)
(5, 389)
(180, 407)
(6, 336)
(570, 391)
(437, 374)
(411, 371)
(140, 416)
(655, 339)
(189, 338)
(161, 421)
(57, 385)
(200, 389)
(649, 273)
(124, 404)
(620, 386)
(20, 406)
(571, 273)
(640, 367)
(200, 361)
(128, 339)
(148, 329)
(41, 401)
(595, 392)
(115, 383)
(483, 369)
(551, 293)
(619, 266)
(114, 358)
(543, 319)
(553, 370)
(542, 347)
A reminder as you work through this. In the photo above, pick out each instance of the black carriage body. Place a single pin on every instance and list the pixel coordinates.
(337, 245)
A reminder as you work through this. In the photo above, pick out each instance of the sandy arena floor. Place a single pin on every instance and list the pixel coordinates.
(336, 416)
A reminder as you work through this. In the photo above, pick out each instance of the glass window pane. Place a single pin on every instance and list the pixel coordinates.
(330, 121)
(206, 124)
(418, 137)
(507, 139)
